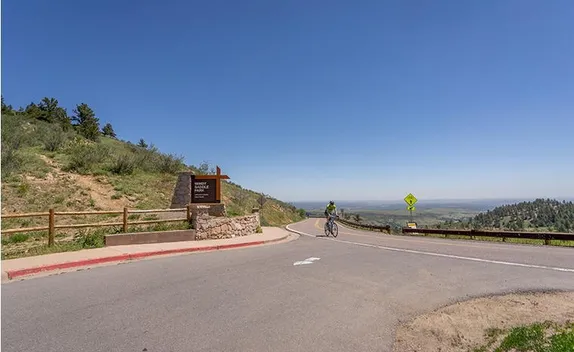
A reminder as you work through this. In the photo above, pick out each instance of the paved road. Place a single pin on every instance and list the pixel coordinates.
(255, 299)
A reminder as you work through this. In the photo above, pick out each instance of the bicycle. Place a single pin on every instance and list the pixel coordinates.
(331, 226)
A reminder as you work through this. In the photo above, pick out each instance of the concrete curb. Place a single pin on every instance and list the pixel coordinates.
(133, 256)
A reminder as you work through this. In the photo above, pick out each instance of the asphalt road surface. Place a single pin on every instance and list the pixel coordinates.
(349, 296)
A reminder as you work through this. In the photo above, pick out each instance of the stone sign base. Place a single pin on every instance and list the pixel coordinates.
(216, 227)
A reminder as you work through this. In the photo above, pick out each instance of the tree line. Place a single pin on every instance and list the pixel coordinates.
(540, 214)
(48, 125)
(83, 119)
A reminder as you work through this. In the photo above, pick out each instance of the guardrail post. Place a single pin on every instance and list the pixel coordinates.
(51, 228)
(125, 220)
(547, 239)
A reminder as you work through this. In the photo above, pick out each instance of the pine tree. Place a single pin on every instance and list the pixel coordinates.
(6, 109)
(33, 111)
(87, 124)
(108, 130)
(53, 113)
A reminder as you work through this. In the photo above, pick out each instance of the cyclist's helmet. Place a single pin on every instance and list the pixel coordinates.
(331, 202)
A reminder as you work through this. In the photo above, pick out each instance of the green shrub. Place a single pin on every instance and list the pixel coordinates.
(11, 161)
(123, 164)
(145, 159)
(15, 136)
(90, 240)
(17, 238)
(23, 188)
(17, 132)
(54, 139)
(169, 164)
(84, 157)
(151, 160)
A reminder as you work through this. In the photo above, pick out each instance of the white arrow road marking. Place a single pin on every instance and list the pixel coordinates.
(302, 262)
(306, 261)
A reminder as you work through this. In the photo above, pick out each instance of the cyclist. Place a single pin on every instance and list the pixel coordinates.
(330, 209)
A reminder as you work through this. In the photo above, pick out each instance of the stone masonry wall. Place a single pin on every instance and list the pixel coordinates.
(209, 227)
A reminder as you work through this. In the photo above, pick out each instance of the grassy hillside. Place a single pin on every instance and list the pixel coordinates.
(48, 161)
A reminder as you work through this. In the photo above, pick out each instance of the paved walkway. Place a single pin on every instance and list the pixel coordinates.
(16, 268)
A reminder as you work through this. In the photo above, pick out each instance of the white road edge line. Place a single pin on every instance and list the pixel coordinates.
(436, 254)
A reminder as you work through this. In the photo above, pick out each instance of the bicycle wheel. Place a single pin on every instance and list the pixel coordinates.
(327, 229)
(335, 230)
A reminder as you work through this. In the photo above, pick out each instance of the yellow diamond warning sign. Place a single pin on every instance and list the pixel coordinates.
(410, 199)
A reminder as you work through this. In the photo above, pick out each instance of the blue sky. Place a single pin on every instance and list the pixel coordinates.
(318, 100)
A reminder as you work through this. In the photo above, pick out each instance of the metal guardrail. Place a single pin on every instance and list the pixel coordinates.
(386, 228)
(546, 236)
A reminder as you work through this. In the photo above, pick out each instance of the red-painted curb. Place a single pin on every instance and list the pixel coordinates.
(125, 257)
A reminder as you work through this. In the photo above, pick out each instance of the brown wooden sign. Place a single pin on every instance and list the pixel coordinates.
(207, 188)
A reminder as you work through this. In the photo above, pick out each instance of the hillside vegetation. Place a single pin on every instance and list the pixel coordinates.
(71, 163)
(538, 215)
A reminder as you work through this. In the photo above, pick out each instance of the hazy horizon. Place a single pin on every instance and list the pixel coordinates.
(488, 202)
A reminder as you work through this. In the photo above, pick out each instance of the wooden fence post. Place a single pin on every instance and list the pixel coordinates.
(125, 220)
(51, 228)
(188, 215)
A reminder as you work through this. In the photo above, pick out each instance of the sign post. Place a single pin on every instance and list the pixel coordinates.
(207, 188)
(411, 201)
